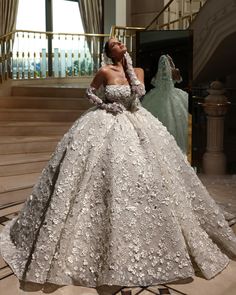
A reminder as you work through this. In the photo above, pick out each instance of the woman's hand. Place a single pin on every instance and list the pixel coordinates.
(114, 108)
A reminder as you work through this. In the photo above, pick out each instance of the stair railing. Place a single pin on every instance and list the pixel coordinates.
(172, 16)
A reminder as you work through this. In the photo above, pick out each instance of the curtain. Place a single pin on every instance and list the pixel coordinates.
(91, 12)
(8, 14)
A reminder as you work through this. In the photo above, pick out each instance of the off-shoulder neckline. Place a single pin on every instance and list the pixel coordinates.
(127, 85)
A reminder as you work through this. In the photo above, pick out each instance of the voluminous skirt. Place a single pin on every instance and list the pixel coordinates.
(117, 204)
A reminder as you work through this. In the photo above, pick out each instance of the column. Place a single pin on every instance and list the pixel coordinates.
(215, 107)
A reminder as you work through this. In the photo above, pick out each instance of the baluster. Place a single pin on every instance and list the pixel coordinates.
(168, 21)
(69, 67)
(191, 10)
(5, 60)
(76, 57)
(79, 55)
(72, 57)
(10, 61)
(1, 73)
(28, 68)
(56, 63)
(63, 63)
(35, 66)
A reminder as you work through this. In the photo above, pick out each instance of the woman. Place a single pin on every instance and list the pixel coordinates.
(117, 204)
(167, 103)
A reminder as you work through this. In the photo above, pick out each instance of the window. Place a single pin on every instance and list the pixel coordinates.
(66, 16)
(31, 15)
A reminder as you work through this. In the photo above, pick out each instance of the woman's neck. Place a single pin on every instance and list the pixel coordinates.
(117, 63)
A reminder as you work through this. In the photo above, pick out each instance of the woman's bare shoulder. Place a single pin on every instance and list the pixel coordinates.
(101, 76)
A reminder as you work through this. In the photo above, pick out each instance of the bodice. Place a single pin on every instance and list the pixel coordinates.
(119, 93)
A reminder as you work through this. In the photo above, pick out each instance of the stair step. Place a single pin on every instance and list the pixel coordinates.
(2, 263)
(27, 144)
(16, 182)
(22, 163)
(15, 197)
(44, 115)
(5, 272)
(11, 208)
(46, 90)
(44, 102)
(16, 188)
(34, 128)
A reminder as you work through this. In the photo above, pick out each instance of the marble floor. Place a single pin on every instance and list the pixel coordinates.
(223, 190)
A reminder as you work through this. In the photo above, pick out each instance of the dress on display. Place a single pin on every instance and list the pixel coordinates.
(168, 103)
(117, 204)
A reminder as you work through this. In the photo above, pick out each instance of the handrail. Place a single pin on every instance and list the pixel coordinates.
(114, 28)
(26, 54)
(55, 33)
(159, 14)
(177, 20)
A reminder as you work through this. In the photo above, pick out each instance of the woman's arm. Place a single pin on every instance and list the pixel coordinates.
(139, 89)
(137, 84)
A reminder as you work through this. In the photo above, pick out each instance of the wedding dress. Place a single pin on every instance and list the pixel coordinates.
(117, 204)
(168, 103)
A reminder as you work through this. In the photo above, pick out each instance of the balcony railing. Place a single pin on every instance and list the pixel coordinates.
(32, 55)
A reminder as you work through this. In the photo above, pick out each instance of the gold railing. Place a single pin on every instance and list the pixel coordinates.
(127, 35)
(162, 21)
(31, 55)
(182, 16)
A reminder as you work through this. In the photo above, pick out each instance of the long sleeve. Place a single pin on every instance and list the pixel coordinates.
(136, 86)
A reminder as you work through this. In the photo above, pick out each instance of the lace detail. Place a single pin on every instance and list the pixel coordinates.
(117, 204)
(137, 87)
(163, 77)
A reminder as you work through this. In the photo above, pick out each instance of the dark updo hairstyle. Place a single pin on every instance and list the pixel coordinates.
(107, 49)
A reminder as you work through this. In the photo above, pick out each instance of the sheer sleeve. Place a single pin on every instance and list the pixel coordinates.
(136, 86)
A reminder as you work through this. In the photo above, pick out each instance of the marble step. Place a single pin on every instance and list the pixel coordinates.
(2, 263)
(44, 115)
(27, 144)
(5, 272)
(23, 163)
(44, 102)
(12, 208)
(15, 189)
(49, 90)
(33, 128)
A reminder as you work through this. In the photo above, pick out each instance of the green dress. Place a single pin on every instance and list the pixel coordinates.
(169, 104)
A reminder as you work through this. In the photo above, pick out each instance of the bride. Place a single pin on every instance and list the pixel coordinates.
(117, 204)
(168, 103)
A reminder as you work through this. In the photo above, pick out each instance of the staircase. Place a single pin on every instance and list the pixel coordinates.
(214, 41)
(32, 121)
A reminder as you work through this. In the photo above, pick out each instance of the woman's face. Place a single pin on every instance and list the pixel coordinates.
(116, 48)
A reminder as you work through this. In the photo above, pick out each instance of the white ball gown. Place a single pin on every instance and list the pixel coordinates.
(168, 103)
(117, 204)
